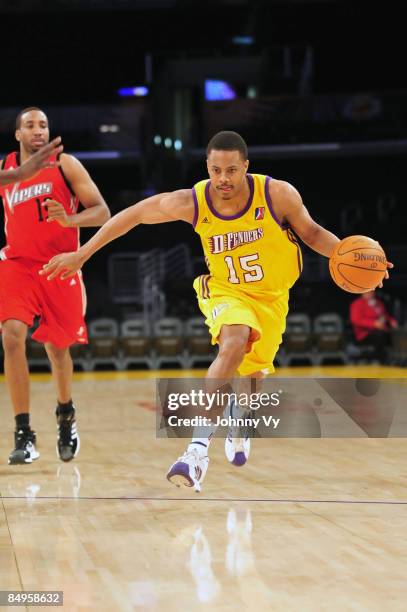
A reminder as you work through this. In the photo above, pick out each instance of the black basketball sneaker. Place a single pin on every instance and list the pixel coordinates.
(24, 451)
(68, 438)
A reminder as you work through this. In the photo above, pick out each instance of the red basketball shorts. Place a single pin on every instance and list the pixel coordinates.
(60, 304)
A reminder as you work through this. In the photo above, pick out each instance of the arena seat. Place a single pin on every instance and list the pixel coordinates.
(135, 343)
(198, 342)
(329, 339)
(169, 342)
(104, 343)
(297, 340)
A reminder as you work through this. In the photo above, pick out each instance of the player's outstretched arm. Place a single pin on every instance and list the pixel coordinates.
(161, 208)
(291, 209)
(34, 164)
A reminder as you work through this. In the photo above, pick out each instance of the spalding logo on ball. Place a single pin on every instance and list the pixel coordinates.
(358, 264)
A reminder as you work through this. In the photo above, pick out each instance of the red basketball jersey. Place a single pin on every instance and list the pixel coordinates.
(28, 233)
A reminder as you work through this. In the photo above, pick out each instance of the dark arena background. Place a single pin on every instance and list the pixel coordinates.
(136, 89)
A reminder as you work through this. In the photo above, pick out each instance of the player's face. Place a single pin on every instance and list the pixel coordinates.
(227, 171)
(34, 131)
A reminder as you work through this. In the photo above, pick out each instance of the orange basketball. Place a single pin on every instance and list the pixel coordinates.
(358, 264)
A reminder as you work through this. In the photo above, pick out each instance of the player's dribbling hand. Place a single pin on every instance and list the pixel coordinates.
(63, 266)
(57, 212)
(40, 160)
(386, 276)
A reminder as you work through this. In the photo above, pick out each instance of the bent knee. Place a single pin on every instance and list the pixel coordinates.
(13, 334)
(234, 347)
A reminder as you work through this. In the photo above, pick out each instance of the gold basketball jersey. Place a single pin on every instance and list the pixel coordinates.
(251, 251)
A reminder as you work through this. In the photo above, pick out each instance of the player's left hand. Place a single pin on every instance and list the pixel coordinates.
(386, 276)
(57, 212)
(64, 265)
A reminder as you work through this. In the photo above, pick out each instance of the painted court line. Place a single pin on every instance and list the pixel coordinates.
(211, 499)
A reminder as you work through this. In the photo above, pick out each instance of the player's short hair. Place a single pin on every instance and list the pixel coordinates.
(23, 112)
(228, 141)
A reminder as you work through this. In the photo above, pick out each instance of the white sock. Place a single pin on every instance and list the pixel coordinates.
(236, 412)
(202, 444)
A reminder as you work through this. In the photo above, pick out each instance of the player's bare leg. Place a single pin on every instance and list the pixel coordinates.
(233, 341)
(62, 370)
(14, 334)
(190, 469)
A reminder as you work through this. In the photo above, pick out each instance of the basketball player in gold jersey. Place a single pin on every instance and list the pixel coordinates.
(248, 225)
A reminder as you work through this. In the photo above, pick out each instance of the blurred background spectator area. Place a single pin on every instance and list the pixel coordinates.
(137, 87)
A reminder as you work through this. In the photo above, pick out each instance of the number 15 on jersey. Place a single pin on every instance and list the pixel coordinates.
(251, 272)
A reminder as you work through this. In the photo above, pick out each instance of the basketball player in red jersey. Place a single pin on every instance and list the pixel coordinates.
(41, 220)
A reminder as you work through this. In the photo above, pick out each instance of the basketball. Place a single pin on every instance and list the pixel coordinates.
(358, 264)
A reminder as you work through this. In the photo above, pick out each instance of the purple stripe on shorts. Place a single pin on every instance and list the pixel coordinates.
(207, 286)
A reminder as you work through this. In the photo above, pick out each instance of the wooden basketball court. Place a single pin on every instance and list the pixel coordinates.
(307, 524)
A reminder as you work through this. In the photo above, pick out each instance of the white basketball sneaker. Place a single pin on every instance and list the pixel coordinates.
(189, 470)
(237, 450)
